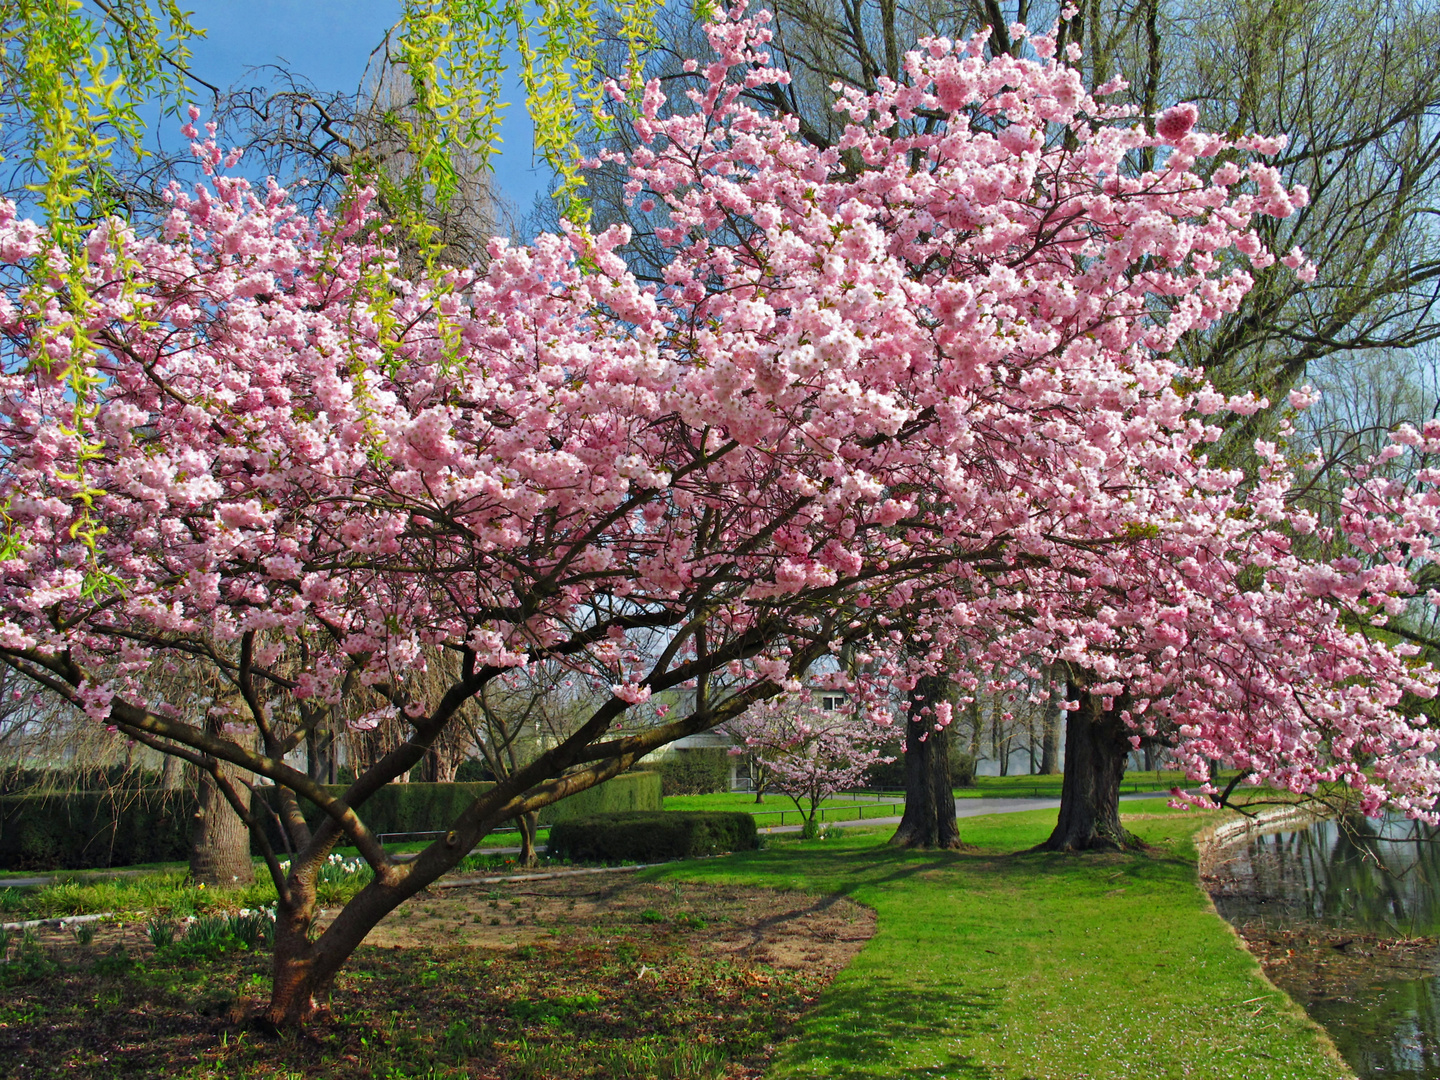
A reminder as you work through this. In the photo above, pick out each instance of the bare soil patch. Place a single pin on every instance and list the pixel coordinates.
(590, 976)
(780, 929)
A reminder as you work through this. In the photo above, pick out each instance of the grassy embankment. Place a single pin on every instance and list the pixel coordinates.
(1003, 966)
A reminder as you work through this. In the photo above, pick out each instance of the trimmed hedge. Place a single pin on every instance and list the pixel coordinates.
(640, 836)
(18, 781)
(93, 829)
(628, 792)
(99, 829)
(703, 771)
(407, 808)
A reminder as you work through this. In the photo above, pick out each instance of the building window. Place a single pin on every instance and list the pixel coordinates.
(831, 702)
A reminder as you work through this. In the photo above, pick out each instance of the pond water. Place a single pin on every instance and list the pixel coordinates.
(1312, 886)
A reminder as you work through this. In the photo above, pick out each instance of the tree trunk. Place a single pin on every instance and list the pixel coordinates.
(999, 744)
(976, 725)
(529, 822)
(219, 840)
(929, 820)
(1097, 744)
(297, 979)
(439, 765)
(172, 773)
(302, 969)
(320, 755)
(1050, 737)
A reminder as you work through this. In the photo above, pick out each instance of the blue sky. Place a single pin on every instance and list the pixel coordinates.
(329, 42)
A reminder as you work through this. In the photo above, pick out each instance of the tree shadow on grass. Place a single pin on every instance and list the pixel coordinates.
(890, 1029)
(842, 872)
(1154, 867)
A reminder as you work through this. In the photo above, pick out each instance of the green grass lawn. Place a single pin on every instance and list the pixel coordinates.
(1048, 787)
(745, 800)
(780, 809)
(990, 965)
(986, 787)
(494, 840)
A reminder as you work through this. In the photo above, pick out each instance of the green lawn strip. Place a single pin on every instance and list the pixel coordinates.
(169, 894)
(1003, 966)
(779, 810)
(985, 787)
(94, 874)
(745, 800)
(165, 894)
(494, 840)
(1048, 787)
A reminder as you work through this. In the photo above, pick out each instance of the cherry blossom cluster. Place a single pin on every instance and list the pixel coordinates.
(925, 402)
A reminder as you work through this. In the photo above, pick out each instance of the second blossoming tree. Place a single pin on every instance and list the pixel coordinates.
(809, 753)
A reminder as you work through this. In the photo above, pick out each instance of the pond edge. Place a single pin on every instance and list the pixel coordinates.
(1210, 844)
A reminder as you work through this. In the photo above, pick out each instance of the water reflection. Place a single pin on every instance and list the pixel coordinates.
(1377, 876)
(1372, 875)
(1389, 1033)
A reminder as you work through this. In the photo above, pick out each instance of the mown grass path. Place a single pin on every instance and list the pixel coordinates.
(990, 965)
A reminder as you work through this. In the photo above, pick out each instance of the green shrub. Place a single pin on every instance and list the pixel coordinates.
(640, 836)
(206, 938)
(87, 829)
(161, 932)
(694, 772)
(473, 771)
(414, 808)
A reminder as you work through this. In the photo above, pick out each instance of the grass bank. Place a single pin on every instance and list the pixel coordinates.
(990, 965)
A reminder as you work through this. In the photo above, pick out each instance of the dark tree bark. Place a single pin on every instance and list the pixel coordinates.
(1097, 743)
(320, 753)
(219, 839)
(929, 820)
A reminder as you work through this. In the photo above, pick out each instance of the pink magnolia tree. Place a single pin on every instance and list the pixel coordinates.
(925, 402)
(810, 753)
